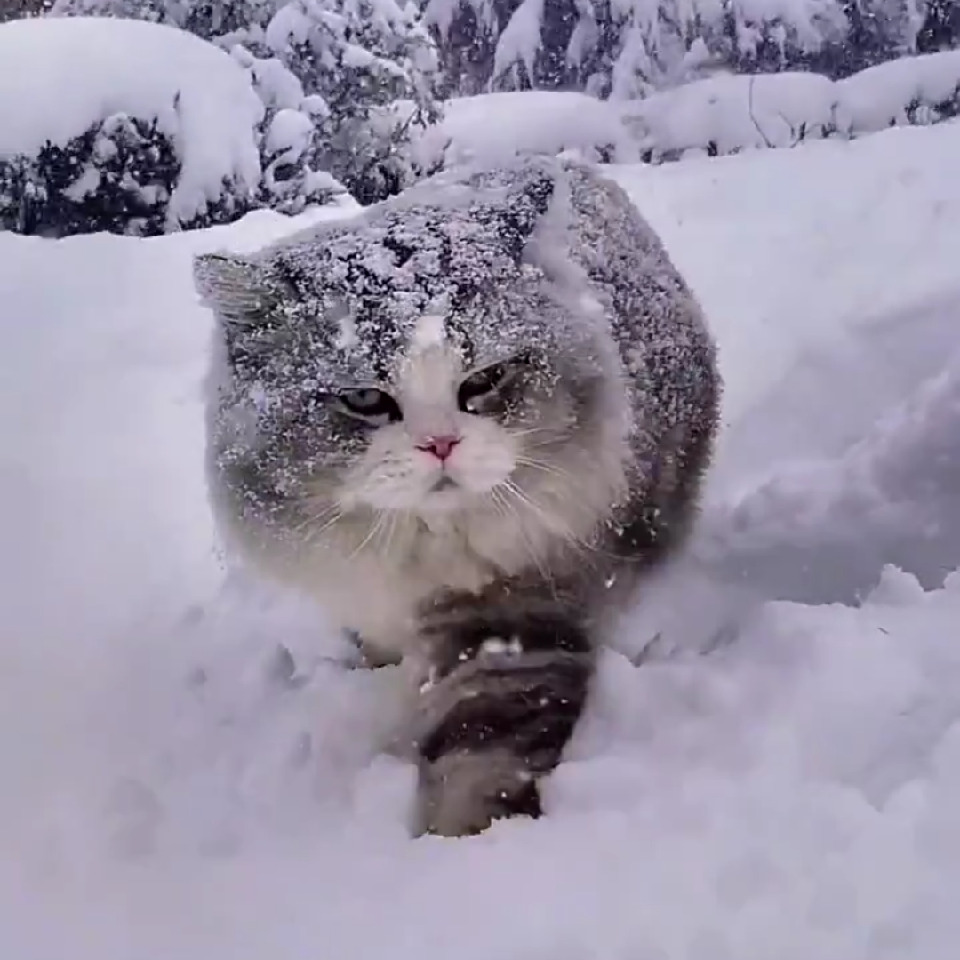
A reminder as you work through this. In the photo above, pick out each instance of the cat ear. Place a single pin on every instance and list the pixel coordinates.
(244, 302)
(233, 287)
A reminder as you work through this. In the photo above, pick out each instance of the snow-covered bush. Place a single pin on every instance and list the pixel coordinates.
(912, 90)
(728, 113)
(630, 48)
(123, 126)
(287, 137)
(117, 176)
(348, 59)
(356, 57)
(493, 127)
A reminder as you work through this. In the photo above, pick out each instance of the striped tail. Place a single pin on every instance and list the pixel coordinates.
(509, 680)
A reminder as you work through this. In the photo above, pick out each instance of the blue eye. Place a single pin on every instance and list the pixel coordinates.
(369, 403)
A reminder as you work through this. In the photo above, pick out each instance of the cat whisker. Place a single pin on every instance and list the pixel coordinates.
(551, 469)
(510, 488)
(371, 535)
(581, 545)
(326, 518)
(396, 518)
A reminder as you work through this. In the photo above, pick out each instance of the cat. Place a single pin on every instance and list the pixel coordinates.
(467, 420)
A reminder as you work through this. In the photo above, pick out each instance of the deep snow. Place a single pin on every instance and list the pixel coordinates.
(795, 794)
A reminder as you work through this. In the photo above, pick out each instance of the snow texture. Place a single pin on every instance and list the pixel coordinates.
(174, 787)
(633, 48)
(62, 76)
(728, 113)
(719, 115)
(884, 95)
(491, 128)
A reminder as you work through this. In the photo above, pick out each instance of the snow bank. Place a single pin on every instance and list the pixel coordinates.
(493, 127)
(728, 113)
(725, 114)
(899, 92)
(61, 76)
(170, 792)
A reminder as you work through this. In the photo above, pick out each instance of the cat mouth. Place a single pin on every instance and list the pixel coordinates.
(444, 482)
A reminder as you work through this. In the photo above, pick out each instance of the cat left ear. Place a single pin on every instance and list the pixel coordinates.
(233, 287)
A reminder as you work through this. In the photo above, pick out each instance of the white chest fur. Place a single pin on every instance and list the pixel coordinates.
(378, 590)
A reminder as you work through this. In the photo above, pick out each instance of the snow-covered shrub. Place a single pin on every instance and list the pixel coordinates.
(728, 113)
(630, 48)
(121, 125)
(117, 176)
(349, 59)
(912, 90)
(288, 137)
(494, 127)
(206, 18)
(359, 56)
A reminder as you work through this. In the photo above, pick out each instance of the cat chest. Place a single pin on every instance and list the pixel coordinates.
(380, 598)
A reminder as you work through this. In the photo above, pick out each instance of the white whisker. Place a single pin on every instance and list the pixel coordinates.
(371, 535)
(552, 521)
(325, 523)
(511, 488)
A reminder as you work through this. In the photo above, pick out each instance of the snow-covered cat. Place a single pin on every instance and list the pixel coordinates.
(467, 421)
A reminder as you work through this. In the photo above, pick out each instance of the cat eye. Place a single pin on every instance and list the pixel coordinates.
(482, 383)
(370, 404)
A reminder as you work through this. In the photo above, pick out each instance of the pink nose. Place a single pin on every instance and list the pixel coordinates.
(440, 447)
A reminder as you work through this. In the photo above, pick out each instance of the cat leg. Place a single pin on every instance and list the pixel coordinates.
(506, 688)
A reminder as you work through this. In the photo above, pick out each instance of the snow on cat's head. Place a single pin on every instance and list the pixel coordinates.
(412, 363)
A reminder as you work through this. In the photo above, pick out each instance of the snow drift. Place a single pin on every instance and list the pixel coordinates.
(493, 127)
(174, 788)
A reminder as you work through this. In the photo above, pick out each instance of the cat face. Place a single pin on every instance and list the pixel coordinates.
(439, 436)
(440, 427)
(418, 366)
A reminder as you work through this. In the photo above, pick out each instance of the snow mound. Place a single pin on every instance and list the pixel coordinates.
(887, 94)
(725, 114)
(174, 788)
(61, 76)
(492, 127)
(728, 113)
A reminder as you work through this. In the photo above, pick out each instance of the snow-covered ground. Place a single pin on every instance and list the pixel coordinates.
(168, 791)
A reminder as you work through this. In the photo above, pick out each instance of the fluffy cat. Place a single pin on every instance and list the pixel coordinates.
(466, 420)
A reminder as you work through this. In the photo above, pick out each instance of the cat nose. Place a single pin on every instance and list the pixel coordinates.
(440, 447)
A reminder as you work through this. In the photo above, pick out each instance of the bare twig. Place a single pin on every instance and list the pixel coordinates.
(752, 116)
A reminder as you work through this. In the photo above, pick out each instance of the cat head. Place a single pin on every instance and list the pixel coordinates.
(413, 360)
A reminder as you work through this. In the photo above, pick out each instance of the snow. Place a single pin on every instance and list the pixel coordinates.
(61, 76)
(173, 788)
(880, 96)
(729, 113)
(520, 40)
(290, 130)
(733, 112)
(493, 127)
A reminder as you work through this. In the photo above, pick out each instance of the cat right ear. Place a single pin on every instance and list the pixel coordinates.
(233, 287)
